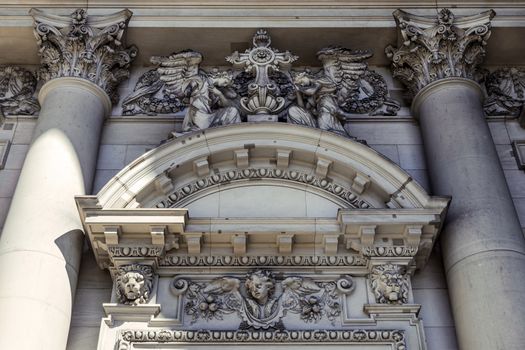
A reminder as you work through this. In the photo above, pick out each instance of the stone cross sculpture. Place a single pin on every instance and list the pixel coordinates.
(263, 96)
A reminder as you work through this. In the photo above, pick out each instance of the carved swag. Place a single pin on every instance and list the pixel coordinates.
(260, 300)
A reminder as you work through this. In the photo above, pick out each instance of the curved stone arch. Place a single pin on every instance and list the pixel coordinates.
(370, 179)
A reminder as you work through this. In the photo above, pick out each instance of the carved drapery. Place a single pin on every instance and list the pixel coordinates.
(263, 86)
(506, 92)
(82, 46)
(17, 87)
(434, 49)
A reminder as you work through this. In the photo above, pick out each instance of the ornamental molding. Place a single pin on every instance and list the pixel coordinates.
(17, 89)
(82, 46)
(433, 49)
(177, 197)
(261, 301)
(389, 284)
(395, 338)
(263, 261)
(262, 86)
(505, 92)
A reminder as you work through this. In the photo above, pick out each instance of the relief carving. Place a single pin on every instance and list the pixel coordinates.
(395, 338)
(17, 87)
(134, 284)
(180, 194)
(261, 301)
(263, 84)
(431, 50)
(389, 284)
(82, 46)
(506, 92)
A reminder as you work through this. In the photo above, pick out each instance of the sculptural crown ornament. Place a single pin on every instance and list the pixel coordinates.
(445, 47)
(83, 46)
(264, 85)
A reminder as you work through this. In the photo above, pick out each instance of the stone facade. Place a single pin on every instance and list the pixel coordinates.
(348, 176)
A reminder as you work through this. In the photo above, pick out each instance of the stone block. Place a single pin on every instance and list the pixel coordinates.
(386, 133)
(82, 338)
(411, 157)
(87, 309)
(135, 151)
(102, 177)
(435, 307)
(516, 182)
(499, 132)
(421, 177)
(4, 207)
(16, 157)
(137, 132)
(507, 156)
(8, 180)
(441, 338)
(389, 151)
(24, 132)
(111, 157)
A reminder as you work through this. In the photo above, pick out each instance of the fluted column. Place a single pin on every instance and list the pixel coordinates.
(83, 60)
(483, 245)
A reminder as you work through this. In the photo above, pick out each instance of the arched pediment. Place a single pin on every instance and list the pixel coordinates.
(289, 158)
(256, 189)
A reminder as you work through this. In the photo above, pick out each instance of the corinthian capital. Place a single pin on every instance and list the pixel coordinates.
(82, 46)
(434, 49)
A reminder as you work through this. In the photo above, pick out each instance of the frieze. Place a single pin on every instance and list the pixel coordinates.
(506, 92)
(389, 251)
(389, 283)
(178, 195)
(260, 300)
(396, 338)
(133, 284)
(134, 251)
(446, 47)
(17, 87)
(263, 85)
(90, 48)
(297, 260)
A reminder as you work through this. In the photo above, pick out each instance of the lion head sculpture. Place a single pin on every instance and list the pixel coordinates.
(389, 284)
(133, 284)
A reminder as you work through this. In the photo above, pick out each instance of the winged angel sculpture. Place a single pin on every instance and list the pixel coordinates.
(263, 83)
(343, 87)
(261, 302)
(209, 96)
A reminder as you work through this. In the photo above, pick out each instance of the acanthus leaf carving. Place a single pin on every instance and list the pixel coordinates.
(261, 301)
(17, 87)
(90, 48)
(431, 50)
(134, 284)
(506, 92)
(389, 284)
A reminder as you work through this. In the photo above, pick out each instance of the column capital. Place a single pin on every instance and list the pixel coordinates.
(86, 47)
(433, 49)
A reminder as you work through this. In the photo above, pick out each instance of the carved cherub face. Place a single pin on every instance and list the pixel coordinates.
(260, 286)
(133, 285)
(221, 79)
